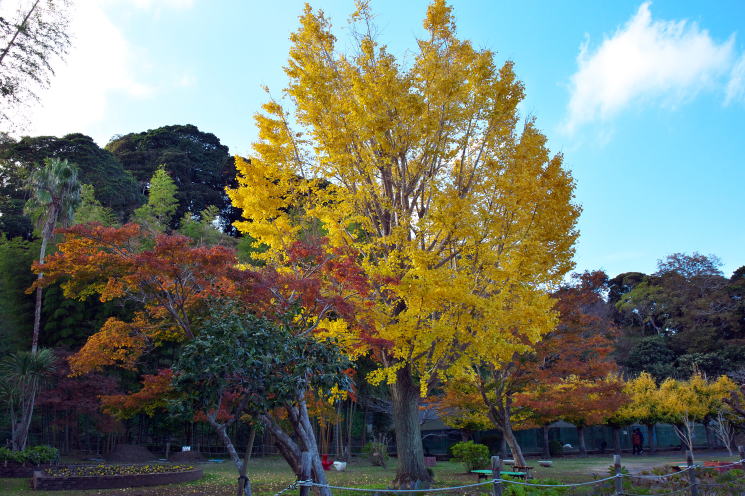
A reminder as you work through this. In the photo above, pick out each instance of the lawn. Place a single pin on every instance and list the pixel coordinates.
(269, 475)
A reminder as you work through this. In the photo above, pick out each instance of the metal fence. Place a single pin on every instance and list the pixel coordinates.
(685, 481)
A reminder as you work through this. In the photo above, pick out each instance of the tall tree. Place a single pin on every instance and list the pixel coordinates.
(572, 374)
(30, 44)
(55, 193)
(460, 216)
(114, 187)
(682, 318)
(198, 163)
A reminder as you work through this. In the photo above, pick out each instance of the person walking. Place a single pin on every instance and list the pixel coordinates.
(636, 442)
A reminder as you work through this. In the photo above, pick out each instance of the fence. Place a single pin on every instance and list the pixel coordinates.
(684, 482)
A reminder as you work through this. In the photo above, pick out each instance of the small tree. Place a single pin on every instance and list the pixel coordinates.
(161, 205)
(724, 430)
(21, 374)
(246, 365)
(683, 403)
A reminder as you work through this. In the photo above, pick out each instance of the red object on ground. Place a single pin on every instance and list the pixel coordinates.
(718, 466)
(326, 463)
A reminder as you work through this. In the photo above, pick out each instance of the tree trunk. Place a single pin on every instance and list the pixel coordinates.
(288, 448)
(309, 439)
(46, 234)
(19, 29)
(251, 440)
(651, 438)
(546, 443)
(244, 483)
(411, 471)
(350, 425)
(511, 440)
(581, 439)
(617, 440)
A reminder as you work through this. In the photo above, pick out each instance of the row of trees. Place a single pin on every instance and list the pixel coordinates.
(398, 220)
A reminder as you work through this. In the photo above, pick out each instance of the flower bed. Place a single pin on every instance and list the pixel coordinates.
(112, 476)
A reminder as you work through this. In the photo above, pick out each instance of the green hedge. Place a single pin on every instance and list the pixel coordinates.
(473, 456)
(35, 455)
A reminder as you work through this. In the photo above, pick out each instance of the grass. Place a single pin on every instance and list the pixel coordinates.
(270, 475)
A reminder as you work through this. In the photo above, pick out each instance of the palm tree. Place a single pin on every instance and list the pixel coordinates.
(55, 193)
(20, 376)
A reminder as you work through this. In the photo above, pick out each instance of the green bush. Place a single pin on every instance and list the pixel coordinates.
(473, 456)
(515, 490)
(35, 455)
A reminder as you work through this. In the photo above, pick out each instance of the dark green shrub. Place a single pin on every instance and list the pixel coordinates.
(41, 454)
(473, 456)
(515, 490)
(35, 455)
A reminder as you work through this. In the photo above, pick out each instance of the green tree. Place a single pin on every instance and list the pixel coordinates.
(686, 316)
(114, 187)
(198, 163)
(55, 194)
(91, 210)
(204, 228)
(21, 374)
(157, 214)
(16, 307)
(262, 366)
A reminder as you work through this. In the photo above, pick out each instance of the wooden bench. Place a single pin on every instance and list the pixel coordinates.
(484, 474)
(525, 469)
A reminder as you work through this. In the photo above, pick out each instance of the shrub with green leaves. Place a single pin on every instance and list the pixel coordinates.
(473, 456)
(515, 490)
(35, 455)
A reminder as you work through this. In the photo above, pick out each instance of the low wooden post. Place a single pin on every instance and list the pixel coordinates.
(306, 467)
(618, 481)
(692, 475)
(496, 474)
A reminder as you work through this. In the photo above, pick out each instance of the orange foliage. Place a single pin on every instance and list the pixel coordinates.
(155, 392)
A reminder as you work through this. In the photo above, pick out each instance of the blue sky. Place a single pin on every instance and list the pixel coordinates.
(645, 100)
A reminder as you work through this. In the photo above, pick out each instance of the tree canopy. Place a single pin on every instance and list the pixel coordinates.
(460, 215)
(114, 187)
(198, 163)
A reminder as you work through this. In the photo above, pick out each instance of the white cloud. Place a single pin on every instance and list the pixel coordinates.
(102, 64)
(646, 60)
(736, 85)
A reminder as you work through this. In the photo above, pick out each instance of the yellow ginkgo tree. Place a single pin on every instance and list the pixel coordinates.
(682, 403)
(455, 208)
(644, 405)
